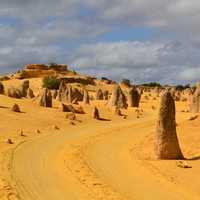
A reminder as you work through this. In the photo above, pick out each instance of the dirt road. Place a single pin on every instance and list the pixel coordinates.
(91, 162)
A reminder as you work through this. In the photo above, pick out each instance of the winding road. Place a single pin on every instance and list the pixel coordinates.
(90, 163)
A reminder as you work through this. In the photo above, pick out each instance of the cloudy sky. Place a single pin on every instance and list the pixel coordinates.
(142, 40)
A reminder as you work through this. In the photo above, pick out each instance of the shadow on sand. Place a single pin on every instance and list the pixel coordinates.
(194, 158)
(103, 119)
(4, 107)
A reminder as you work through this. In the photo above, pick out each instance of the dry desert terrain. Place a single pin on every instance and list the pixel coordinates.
(45, 156)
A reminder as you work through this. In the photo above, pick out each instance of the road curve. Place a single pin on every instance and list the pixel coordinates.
(89, 164)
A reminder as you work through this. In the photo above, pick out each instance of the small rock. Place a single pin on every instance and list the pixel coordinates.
(193, 117)
(71, 116)
(9, 141)
(118, 112)
(182, 164)
(137, 110)
(22, 133)
(125, 117)
(186, 111)
(55, 127)
(38, 131)
(72, 123)
(16, 108)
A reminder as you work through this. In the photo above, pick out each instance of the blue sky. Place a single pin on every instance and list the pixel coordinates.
(137, 39)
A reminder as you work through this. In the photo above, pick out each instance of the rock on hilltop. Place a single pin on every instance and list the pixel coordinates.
(40, 70)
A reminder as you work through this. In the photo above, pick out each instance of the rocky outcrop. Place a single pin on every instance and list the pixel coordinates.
(81, 80)
(35, 67)
(57, 67)
(41, 70)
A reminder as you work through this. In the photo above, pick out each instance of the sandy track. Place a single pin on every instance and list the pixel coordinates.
(120, 167)
(86, 164)
(34, 171)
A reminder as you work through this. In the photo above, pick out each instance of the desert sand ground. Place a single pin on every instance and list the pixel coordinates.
(92, 160)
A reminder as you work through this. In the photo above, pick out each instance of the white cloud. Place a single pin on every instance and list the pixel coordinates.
(34, 10)
(139, 61)
(43, 30)
(190, 74)
(118, 54)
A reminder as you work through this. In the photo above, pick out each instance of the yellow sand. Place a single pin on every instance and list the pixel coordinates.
(92, 160)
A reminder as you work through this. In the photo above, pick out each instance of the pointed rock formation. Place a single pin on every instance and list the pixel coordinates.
(105, 95)
(166, 141)
(86, 98)
(62, 93)
(30, 93)
(55, 94)
(46, 99)
(118, 99)
(157, 91)
(68, 93)
(1, 88)
(74, 94)
(133, 98)
(195, 100)
(96, 113)
(24, 88)
(16, 108)
(99, 95)
(69, 96)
